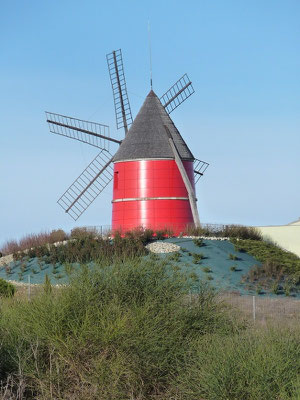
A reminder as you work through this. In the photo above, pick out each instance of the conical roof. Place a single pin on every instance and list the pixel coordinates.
(148, 138)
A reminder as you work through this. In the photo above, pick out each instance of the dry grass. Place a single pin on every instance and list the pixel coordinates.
(280, 311)
(33, 240)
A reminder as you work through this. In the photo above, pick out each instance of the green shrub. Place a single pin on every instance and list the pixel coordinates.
(194, 276)
(175, 256)
(6, 288)
(87, 248)
(295, 278)
(275, 288)
(117, 332)
(255, 365)
(270, 255)
(233, 268)
(258, 289)
(198, 242)
(197, 257)
(232, 257)
(207, 270)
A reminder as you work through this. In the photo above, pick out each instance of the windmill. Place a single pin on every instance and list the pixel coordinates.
(153, 170)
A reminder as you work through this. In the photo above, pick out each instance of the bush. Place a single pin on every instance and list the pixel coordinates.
(57, 235)
(86, 249)
(29, 241)
(116, 332)
(83, 233)
(203, 230)
(253, 365)
(275, 288)
(197, 257)
(33, 240)
(242, 232)
(270, 255)
(10, 247)
(231, 231)
(198, 242)
(139, 234)
(6, 288)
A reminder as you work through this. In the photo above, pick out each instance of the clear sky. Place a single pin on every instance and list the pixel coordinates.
(243, 57)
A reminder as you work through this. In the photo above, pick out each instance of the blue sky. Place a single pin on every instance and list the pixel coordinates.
(242, 56)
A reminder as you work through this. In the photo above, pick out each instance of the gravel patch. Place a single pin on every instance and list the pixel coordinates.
(6, 260)
(162, 247)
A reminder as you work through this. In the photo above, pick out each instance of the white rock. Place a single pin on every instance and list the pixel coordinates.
(162, 247)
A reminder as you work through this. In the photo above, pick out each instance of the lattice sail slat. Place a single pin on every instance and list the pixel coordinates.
(118, 83)
(177, 94)
(92, 133)
(90, 183)
(199, 168)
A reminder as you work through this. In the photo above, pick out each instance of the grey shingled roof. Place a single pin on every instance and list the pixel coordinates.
(147, 137)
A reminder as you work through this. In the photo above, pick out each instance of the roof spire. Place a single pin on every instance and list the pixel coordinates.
(150, 53)
(147, 138)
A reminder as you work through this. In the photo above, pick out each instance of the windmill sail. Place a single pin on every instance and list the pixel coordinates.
(199, 169)
(84, 190)
(177, 94)
(92, 133)
(118, 84)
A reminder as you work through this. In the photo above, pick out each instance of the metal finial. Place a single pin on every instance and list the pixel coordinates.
(150, 53)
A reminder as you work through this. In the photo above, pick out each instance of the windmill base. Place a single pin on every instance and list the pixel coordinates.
(151, 194)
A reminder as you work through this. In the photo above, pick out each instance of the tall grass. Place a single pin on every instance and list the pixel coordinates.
(87, 248)
(33, 240)
(231, 231)
(254, 365)
(129, 329)
(117, 332)
(80, 233)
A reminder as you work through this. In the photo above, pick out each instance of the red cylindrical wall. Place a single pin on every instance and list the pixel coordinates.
(152, 194)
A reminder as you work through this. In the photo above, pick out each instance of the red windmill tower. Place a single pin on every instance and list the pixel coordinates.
(153, 171)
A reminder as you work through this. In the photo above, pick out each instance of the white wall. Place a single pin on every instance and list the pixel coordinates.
(286, 236)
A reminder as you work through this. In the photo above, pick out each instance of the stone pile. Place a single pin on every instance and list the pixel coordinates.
(162, 247)
(206, 237)
(6, 260)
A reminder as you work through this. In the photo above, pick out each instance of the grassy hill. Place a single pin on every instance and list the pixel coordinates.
(243, 263)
